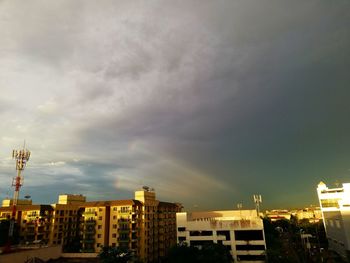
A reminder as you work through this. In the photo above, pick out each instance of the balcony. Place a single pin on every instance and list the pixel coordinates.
(90, 222)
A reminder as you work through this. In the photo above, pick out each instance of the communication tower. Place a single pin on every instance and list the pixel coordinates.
(21, 157)
(257, 201)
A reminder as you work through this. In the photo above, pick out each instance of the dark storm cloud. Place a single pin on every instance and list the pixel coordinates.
(194, 100)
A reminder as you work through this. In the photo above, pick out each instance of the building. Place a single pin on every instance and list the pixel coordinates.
(278, 214)
(111, 223)
(311, 214)
(158, 225)
(143, 225)
(33, 221)
(335, 207)
(242, 231)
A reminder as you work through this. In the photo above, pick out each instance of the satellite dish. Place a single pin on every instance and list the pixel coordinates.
(27, 196)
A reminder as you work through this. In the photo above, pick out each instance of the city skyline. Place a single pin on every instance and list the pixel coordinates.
(206, 103)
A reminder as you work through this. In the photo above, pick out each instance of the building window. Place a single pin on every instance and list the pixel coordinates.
(113, 244)
(99, 235)
(201, 233)
(250, 247)
(114, 226)
(330, 203)
(224, 233)
(100, 218)
(181, 229)
(99, 227)
(249, 235)
(114, 235)
(98, 244)
(182, 239)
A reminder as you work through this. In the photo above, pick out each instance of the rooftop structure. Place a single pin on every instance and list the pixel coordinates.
(242, 231)
(335, 207)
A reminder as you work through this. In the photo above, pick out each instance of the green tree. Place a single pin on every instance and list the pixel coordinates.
(115, 255)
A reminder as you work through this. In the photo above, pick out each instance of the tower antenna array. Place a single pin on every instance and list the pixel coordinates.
(257, 201)
(21, 157)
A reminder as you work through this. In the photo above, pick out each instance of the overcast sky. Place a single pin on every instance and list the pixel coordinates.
(208, 102)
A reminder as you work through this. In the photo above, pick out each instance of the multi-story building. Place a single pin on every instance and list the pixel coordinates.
(335, 207)
(143, 225)
(158, 225)
(34, 222)
(111, 223)
(241, 231)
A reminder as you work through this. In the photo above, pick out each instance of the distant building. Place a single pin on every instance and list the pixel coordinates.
(311, 214)
(143, 225)
(278, 214)
(242, 232)
(335, 207)
(9, 202)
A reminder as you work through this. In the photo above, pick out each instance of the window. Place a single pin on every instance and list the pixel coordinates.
(114, 226)
(99, 227)
(98, 244)
(249, 235)
(100, 218)
(201, 233)
(114, 235)
(99, 235)
(224, 233)
(250, 247)
(181, 229)
(182, 239)
(329, 203)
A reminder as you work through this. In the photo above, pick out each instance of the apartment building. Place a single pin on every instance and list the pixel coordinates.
(158, 225)
(335, 207)
(143, 225)
(111, 223)
(48, 224)
(241, 231)
(33, 221)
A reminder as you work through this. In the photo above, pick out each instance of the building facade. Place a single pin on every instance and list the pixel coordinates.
(335, 207)
(241, 231)
(144, 225)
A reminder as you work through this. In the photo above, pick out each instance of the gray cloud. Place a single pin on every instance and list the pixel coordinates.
(198, 100)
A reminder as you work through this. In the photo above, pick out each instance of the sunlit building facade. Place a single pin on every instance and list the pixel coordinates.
(242, 232)
(144, 225)
(335, 207)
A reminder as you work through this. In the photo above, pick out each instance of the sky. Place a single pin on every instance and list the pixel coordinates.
(207, 102)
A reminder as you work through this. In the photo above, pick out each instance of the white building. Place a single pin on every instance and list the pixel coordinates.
(335, 206)
(242, 231)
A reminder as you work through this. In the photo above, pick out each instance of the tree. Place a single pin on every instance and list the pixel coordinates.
(115, 255)
(210, 253)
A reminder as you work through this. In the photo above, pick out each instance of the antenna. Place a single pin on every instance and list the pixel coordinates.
(257, 201)
(21, 158)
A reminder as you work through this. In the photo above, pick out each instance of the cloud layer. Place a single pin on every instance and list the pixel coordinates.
(207, 102)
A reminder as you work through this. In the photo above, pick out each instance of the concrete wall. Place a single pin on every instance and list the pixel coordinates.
(46, 253)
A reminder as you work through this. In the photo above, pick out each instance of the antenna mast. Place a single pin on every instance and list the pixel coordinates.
(257, 201)
(21, 157)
